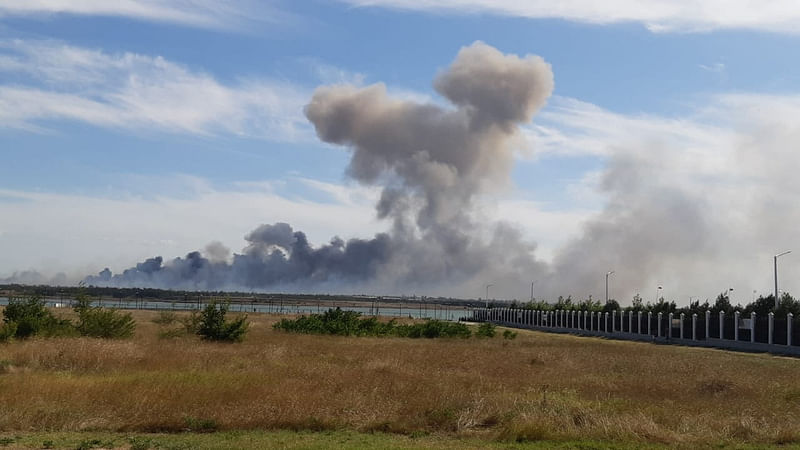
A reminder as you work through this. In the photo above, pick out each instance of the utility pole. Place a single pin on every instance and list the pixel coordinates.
(607, 274)
(775, 265)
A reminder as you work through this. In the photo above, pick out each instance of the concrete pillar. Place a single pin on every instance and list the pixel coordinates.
(613, 321)
(708, 323)
(630, 321)
(591, 320)
(660, 316)
(683, 316)
(753, 326)
(606, 328)
(736, 326)
(639, 323)
(694, 326)
(789, 318)
(771, 327)
(722, 324)
(650, 323)
(669, 325)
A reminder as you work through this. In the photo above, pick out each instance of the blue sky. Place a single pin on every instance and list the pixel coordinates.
(178, 110)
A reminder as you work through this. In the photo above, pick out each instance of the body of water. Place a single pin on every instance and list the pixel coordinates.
(421, 311)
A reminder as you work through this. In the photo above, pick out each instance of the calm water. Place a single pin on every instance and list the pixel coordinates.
(388, 310)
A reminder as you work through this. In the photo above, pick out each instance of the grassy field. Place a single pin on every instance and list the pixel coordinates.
(390, 392)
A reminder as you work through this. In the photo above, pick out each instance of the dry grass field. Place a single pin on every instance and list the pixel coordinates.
(537, 387)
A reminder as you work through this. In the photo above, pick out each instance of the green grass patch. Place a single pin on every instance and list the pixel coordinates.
(292, 440)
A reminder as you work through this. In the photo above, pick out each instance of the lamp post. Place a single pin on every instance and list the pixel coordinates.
(775, 265)
(658, 291)
(532, 283)
(487, 294)
(607, 274)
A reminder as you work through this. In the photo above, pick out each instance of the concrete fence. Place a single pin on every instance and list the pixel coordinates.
(764, 333)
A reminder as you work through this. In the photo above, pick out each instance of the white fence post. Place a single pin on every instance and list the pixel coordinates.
(753, 326)
(630, 321)
(639, 327)
(614, 321)
(708, 323)
(694, 326)
(682, 317)
(606, 327)
(771, 327)
(736, 326)
(669, 325)
(649, 323)
(789, 318)
(722, 324)
(660, 315)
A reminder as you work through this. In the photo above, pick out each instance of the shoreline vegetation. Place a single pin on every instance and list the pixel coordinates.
(169, 387)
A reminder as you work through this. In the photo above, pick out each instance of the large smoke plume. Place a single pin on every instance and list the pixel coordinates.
(432, 163)
(697, 207)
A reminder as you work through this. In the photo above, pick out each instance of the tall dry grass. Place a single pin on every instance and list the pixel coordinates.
(538, 386)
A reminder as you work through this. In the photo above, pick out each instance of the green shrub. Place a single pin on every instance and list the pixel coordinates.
(434, 329)
(508, 334)
(191, 323)
(485, 330)
(95, 321)
(7, 331)
(214, 327)
(29, 317)
(350, 323)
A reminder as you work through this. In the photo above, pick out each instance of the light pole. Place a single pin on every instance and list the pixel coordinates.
(607, 274)
(775, 265)
(532, 282)
(487, 294)
(658, 291)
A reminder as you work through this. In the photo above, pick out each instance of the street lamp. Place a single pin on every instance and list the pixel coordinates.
(607, 274)
(658, 291)
(775, 265)
(487, 294)
(532, 283)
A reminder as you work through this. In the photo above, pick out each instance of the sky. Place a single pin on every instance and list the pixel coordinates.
(664, 151)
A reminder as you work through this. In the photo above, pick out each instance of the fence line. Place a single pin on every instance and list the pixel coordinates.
(752, 333)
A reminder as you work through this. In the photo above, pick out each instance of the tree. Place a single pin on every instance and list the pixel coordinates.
(214, 327)
(611, 305)
(723, 304)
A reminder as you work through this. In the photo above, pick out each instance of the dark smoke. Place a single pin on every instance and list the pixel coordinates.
(432, 162)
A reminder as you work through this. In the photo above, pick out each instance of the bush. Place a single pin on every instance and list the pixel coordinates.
(191, 323)
(485, 330)
(434, 329)
(95, 321)
(349, 323)
(214, 327)
(29, 317)
(7, 331)
(508, 334)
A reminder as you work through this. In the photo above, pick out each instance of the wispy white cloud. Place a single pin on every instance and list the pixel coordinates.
(55, 81)
(657, 15)
(230, 15)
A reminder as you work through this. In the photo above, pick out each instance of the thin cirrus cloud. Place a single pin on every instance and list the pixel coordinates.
(236, 15)
(657, 15)
(48, 81)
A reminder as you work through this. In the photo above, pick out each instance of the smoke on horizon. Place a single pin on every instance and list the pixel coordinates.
(431, 162)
